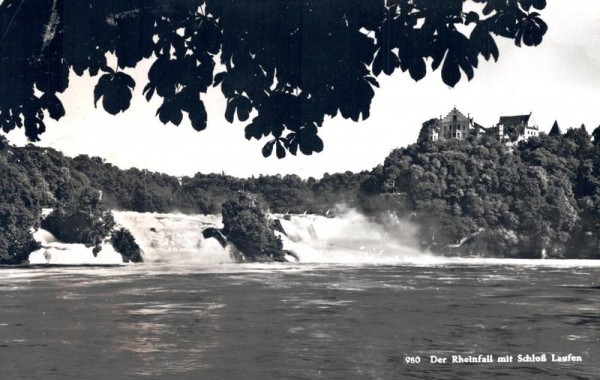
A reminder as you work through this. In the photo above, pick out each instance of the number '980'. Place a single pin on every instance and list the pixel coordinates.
(412, 359)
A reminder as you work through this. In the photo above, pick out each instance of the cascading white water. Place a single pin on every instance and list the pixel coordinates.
(59, 253)
(349, 238)
(175, 238)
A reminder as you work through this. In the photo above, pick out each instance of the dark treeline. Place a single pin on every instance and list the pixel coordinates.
(540, 197)
(145, 191)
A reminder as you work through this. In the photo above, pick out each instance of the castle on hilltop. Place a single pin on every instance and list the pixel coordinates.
(460, 127)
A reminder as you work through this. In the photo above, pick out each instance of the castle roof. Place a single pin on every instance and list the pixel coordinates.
(456, 112)
(555, 131)
(514, 120)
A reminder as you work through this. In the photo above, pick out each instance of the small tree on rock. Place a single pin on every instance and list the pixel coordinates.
(247, 225)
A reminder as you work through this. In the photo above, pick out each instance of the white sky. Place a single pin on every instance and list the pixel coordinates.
(559, 79)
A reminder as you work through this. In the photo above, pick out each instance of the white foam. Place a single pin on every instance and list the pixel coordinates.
(174, 238)
(57, 253)
(350, 238)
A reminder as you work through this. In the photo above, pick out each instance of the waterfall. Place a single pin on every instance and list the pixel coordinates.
(176, 239)
(59, 253)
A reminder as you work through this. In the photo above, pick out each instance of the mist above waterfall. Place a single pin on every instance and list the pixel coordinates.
(351, 237)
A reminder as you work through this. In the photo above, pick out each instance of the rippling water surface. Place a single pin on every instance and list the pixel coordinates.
(297, 321)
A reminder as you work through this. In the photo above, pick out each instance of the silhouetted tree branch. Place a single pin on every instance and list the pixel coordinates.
(284, 65)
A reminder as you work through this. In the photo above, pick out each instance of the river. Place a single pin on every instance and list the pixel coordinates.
(300, 321)
(362, 303)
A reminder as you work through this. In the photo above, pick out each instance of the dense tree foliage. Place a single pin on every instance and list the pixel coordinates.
(33, 178)
(246, 224)
(145, 191)
(20, 206)
(283, 65)
(537, 198)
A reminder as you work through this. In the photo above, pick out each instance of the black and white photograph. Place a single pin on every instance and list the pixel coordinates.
(299, 189)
